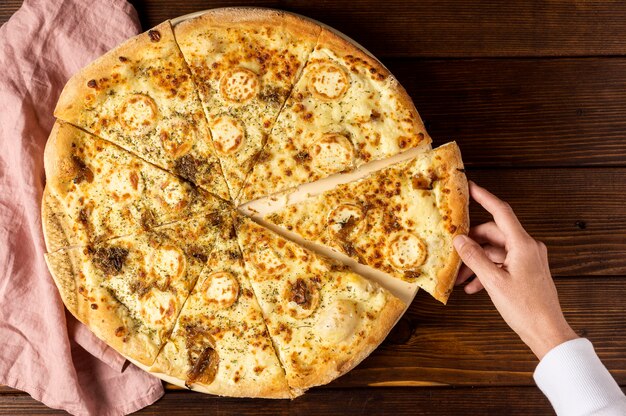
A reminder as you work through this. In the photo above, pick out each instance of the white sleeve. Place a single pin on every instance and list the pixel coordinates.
(577, 383)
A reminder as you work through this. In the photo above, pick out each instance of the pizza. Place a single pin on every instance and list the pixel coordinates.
(245, 65)
(160, 142)
(345, 110)
(323, 318)
(400, 220)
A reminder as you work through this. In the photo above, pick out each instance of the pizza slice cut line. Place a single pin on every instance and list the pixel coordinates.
(224, 335)
(244, 88)
(130, 290)
(140, 96)
(96, 191)
(400, 220)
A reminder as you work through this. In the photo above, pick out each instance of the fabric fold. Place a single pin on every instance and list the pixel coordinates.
(43, 350)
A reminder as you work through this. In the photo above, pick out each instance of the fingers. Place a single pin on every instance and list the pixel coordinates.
(464, 274)
(502, 213)
(475, 257)
(487, 233)
(495, 254)
(474, 286)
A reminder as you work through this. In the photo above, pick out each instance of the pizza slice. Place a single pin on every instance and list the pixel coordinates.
(129, 290)
(220, 344)
(96, 191)
(346, 110)
(141, 97)
(400, 220)
(323, 318)
(245, 62)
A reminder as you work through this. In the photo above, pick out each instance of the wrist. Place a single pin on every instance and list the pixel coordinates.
(545, 340)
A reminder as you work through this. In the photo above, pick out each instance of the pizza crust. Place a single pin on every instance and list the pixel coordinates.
(57, 229)
(249, 17)
(457, 202)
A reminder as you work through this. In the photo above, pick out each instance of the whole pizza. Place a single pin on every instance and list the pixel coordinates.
(160, 142)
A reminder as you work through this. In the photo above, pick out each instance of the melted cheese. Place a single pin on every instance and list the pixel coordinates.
(332, 153)
(138, 113)
(338, 322)
(336, 95)
(403, 231)
(406, 251)
(123, 185)
(266, 259)
(345, 214)
(167, 261)
(220, 288)
(177, 136)
(327, 81)
(228, 135)
(239, 85)
(245, 74)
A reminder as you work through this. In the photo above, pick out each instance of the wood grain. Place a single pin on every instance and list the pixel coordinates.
(468, 343)
(543, 128)
(436, 28)
(578, 213)
(449, 28)
(325, 401)
(523, 112)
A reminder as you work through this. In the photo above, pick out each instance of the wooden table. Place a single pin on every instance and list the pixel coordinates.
(535, 95)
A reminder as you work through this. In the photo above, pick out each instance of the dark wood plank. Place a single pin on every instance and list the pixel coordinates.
(468, 343)
(578, 213)
(523, 112)
(441, 28)
(449, 28)
(379, 401)
(7, 8)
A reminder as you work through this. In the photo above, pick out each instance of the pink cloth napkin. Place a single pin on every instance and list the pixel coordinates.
(44, 350)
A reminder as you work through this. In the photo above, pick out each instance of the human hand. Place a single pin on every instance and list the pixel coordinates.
(513, 268)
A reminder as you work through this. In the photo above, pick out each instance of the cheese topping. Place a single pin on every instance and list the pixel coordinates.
(228, 135)
(328, 81)
(266, 259)
(406, 251)
(177, 136)
(346, 221)
(239, 85)
(138, 113)
(173, 193)
(338, 322)
(221, 289)
(157, 305)
(332, 153)
(123, 184)
(167, 261)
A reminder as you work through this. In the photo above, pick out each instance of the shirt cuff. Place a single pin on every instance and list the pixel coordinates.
(576, 382)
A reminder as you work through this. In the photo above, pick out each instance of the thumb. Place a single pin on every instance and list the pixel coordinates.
(475, 257)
